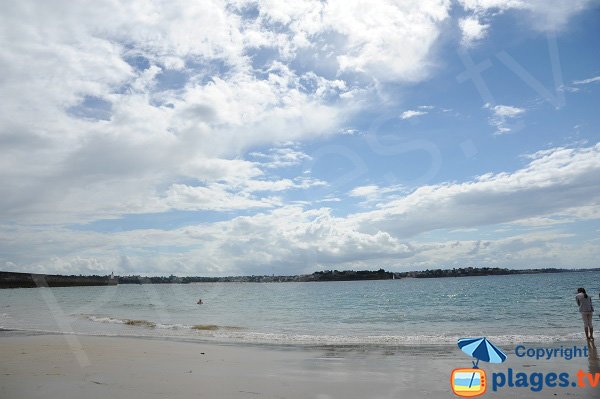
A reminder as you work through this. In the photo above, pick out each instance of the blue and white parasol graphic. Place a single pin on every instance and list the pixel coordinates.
(481, 349)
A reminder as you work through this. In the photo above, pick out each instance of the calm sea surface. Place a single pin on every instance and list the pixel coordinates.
(532, 308)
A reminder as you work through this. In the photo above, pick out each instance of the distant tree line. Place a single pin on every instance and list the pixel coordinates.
(327, 275)
(460, 272)
(480, 271)
(33, 280)
(346, 275)
(30, 280)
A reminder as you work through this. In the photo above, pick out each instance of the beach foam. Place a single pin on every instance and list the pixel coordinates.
(234, 334)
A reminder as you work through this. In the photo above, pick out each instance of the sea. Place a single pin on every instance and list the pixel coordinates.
(506, 309)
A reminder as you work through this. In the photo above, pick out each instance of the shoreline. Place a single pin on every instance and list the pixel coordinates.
(308, 341)
(74, 366)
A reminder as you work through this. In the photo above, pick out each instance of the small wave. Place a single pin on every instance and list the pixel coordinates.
(212, 327)
(105, 319)
(152, 324)
(205, 327)
(129, 322)
(242, 335)
(142, 323)
(137, 305)
(377, 340)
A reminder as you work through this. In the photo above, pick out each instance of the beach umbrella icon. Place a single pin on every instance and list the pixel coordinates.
(481, 349)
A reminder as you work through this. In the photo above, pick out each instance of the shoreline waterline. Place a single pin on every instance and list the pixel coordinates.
(358, 343)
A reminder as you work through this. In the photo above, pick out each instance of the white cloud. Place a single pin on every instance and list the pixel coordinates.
(281, 157)
(282, 184)
(155, 130)
(119, 108)
(501, 114)
(554, 180)
(482, 5)
(587, 81)
(350, 132)
(569, 215)
(505, 111)
(113, 103)
(382, 42)
(411, 114)
(217, 197)
(386, 40)
(376, 195)
(374, 192)
(244, 111)
(472, 30)
(542, 249)
(364, 191)
(286, 240)
(542, 15)
(560, 183)
(233, 171)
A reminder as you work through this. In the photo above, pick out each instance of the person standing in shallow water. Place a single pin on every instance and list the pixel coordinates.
(586, 309)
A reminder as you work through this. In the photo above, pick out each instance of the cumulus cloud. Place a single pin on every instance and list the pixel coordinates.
(120, 108)
(364, 191)
(482, 5)
(543, 249)
(386, 40)
(411, 113)
(472, 30)
(286, 240)
(373, 194)
(231, 248)
(544, 15)
(112, 105)
(376, 36)
(214, 198)
(559, 183)
(281, 157)
(501, 114)
(554, 180)
(505, 111)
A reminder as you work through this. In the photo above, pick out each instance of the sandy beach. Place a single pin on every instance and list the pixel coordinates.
(59, 366)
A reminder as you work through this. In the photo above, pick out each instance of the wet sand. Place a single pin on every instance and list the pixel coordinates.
(59, 366)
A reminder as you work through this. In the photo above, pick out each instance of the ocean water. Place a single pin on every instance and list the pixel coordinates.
(516, 308)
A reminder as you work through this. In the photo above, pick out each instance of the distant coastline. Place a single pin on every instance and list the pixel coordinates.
(32, 280)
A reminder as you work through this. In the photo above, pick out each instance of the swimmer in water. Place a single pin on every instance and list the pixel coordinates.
(199, 302)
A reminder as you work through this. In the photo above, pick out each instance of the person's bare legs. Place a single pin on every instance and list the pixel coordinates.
(587, 325)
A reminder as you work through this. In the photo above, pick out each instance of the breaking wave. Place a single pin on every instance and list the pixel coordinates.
(235, 334)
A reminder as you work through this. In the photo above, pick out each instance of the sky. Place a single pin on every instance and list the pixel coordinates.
(244, 137)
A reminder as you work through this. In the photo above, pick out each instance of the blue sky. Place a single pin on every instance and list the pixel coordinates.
(251, 137)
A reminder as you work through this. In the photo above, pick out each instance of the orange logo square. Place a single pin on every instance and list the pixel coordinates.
(468, 382)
